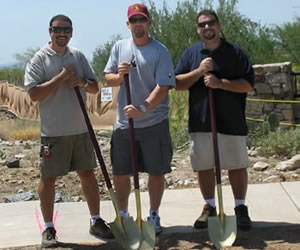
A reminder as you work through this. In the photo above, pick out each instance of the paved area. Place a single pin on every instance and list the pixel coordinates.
(270, 205)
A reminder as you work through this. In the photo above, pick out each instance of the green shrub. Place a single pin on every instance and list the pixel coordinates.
(178, 117)
(281, 142)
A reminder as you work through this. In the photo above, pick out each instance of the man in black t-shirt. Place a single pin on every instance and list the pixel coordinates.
(224, 67)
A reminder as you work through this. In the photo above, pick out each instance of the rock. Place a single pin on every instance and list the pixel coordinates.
(13, 163)
(188, 182)
(270, 178)
(260, 166)
(58, 198)
(252, 152)
(76, 198)
(26, 196)
(179, 182)
(19, 156)
(292, 164)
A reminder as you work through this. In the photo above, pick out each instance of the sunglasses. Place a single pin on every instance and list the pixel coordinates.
(138, 20)
(58, 29)
(209, 23)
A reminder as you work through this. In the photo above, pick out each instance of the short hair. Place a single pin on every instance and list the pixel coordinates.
(207, 12)
(60, 17)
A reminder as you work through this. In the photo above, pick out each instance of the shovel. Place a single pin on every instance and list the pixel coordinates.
(221, 228)
(146, 228)
(123, 229)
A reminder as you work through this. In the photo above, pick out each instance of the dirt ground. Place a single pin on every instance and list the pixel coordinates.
(275, 238)
(26, 178)
(280, 237)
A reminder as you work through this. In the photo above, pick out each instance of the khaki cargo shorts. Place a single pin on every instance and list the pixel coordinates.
(63, 154)
(233, 153)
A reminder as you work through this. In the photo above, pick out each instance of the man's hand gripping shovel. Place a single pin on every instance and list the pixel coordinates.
(221, 228)
(124, 229)
(146, 228)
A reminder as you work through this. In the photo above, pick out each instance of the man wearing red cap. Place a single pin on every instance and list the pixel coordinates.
(151, 75)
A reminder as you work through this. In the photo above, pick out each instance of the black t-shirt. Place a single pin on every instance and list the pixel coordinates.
(230, 62)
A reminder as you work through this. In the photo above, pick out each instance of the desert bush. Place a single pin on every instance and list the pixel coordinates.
(281, 142)
(16, 129)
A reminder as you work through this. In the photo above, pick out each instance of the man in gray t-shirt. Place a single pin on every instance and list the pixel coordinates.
(50, 77)
(151, 75)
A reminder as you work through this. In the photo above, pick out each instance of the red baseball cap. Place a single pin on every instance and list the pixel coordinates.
(137, 9)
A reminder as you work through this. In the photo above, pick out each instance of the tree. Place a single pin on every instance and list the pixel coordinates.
(177, 29)
(23, 59)
(256, 40)
(101, 55)
(288, 38)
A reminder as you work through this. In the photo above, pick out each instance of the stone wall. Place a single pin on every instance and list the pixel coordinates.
(273, 82)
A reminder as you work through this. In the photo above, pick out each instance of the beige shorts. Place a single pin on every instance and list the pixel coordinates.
(63, 154)
(233, 153)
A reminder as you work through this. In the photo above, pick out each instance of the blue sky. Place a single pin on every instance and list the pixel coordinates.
(24, 23)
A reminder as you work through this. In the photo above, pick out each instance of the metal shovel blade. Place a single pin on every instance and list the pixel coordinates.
(148, 236)
(222, 230)
(126, 233)
(146, 228)
(124, 230)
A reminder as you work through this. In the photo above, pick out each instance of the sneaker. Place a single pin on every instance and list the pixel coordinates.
(49, 238)
(243, 220)
(101, 229)
(201, 222)
(156, 223)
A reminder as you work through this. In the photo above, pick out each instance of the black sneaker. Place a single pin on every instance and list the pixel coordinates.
(243, 220)
(201, 222)
(49, 238)
(101, 229)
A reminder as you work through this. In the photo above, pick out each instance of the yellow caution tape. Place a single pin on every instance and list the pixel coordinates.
(281, 123)
(268, 100)
(278, 101)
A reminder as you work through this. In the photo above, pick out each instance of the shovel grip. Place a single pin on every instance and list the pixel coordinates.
(214, 134)
(132, 137)
(93, 138)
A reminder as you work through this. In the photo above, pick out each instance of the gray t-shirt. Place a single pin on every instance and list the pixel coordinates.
(153, 67)
(60, 112)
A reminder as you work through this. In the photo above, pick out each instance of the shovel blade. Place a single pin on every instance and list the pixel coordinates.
(148, 236)
(126, 233)
(222, 233)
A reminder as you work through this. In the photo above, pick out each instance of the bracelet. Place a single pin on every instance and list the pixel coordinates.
(86, 84)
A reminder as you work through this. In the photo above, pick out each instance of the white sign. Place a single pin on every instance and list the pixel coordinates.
(106, 94)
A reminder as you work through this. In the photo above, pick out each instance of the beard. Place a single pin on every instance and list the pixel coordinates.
(139, 33)
(209, 34)
(63, 42)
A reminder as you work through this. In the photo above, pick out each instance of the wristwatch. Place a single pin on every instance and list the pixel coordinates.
(143, 107)
(86, 84)
(87, 81)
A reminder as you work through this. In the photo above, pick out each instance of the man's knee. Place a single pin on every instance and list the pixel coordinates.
(48, 181)
(86, 174)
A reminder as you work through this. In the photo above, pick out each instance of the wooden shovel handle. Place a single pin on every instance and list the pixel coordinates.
(93, 138)
(131, 137)
(214, 134)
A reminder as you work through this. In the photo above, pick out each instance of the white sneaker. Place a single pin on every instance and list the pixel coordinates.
(156, 223)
